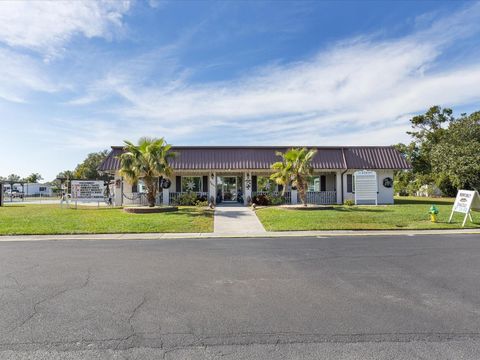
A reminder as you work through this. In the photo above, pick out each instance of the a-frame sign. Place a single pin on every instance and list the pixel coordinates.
(465, 202)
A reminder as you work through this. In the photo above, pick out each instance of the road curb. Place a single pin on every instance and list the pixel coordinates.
(276, 234)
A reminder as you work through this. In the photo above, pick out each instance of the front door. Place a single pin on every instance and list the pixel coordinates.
(229, 188)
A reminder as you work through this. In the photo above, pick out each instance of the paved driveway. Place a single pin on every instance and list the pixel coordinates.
(296, 298)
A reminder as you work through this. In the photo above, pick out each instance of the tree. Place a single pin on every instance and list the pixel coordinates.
(13, 178)
(33, 178)
(64, 176)
(457, 155)
(146, 161)
(295, 168)
(88, 169)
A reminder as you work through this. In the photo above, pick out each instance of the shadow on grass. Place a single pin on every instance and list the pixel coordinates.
(426, 201)
(359, 209)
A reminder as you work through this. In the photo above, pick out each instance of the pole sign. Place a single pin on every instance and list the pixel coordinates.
(366, 187)
(465, 202)
(85, 190)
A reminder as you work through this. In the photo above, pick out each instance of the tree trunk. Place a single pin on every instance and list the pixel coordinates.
(151, 193)
(301, 190)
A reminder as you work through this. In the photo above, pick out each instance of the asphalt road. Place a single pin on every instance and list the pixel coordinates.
(368, 297)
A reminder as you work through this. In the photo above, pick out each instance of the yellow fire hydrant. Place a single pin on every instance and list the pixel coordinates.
(433, 213)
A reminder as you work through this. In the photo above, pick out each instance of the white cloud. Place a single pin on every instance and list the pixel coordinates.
(19, 75)
(358, 92)
(45, 26)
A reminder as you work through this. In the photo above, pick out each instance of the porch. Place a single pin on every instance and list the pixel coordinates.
(235, 187)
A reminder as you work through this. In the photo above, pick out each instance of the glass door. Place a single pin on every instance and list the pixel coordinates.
(229, 188)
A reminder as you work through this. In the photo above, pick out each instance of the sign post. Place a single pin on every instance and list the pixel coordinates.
(465, 202)
(87, 190)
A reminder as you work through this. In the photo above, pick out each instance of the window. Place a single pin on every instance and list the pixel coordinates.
(191, 183)
(317, 183)
(350, 183)
(42, 188)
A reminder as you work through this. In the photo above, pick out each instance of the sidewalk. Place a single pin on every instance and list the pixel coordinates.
(272, 234)
(236, 219)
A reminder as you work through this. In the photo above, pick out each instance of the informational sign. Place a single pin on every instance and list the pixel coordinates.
(465, 202)
(86, 190)
(366, 187)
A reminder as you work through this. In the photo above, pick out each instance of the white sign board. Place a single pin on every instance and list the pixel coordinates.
(86, 190)
(366, 187)
(466, 201)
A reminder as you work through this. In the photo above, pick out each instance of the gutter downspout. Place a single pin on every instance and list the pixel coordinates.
(343, 173)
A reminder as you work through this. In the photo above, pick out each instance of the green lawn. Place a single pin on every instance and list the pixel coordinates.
(407, 213)
(51, 219)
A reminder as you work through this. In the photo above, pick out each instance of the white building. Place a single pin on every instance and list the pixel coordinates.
(230, 173)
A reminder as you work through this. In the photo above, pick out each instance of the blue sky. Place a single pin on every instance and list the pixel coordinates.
(77, 77)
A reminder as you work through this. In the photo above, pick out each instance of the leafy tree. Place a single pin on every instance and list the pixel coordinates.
(33, 178)
(457, 156)
(295, 168)
(63, 176)
(147, 161)
(13, 178)
(87, 170)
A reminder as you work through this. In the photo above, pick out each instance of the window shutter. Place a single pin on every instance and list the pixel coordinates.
(349, 183)
(280, 188)
(254, 183)
(205, 184)
(135, 188)
(323, 183)
(178, 183)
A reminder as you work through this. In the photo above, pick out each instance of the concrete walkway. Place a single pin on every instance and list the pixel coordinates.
(236, 219)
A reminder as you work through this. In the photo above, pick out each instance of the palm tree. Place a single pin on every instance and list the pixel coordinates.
(147, 161)
(295, 168)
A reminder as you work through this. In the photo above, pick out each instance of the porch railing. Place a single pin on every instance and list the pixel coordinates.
(320, 197)
(140, 199)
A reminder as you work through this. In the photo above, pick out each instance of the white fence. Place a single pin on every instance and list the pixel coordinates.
(320, 197)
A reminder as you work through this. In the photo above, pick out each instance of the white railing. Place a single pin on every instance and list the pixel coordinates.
(140, 199)
(320, 197)
(287, 195)
(173, 196)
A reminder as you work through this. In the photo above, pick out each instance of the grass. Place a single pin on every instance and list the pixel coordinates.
(22, 219)
(407, 213)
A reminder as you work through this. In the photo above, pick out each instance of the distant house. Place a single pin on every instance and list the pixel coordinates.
(31, 189)
(224, 173)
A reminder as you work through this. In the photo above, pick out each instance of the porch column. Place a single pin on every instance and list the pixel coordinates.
(212, 187)
(294, 195)
(165, 196)
(118, 190)
(247, 186)
(338, 186)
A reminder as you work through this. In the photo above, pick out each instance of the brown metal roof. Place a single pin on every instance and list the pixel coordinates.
(262, 157)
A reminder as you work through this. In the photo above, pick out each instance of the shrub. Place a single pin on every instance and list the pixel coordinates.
(277, 200)
(349, 202)
(261, 200)
(190, 198)
(201, 203)
(268, 199)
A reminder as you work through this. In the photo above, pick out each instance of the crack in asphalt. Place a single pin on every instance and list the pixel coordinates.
(48, 298)
(249, 339)
(129, 320)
